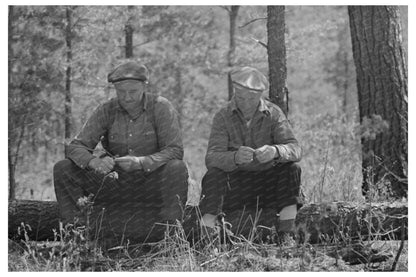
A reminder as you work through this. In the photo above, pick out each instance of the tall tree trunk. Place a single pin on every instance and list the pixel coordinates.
(12, 181)
(13, 157)
(345, 86)
(276, 51)
(382, 90)
(178, 92)
(231, 51)
(128, 29)
(68, 100)
(342, 55)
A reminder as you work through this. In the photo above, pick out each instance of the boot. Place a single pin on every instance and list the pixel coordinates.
(190, 224)
(286, 235)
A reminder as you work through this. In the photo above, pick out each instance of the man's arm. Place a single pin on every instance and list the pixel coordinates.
(80, 148)
(217, 154)
(288, 148)
(169, 135)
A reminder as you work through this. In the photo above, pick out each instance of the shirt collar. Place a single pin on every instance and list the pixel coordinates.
(262, 106)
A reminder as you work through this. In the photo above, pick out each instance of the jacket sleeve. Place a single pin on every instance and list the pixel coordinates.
(169, 135)
(81, 147)
(288, 147)
(217, 154)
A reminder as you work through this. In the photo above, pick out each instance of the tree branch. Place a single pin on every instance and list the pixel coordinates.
(396, 259)
(226, 8)
(252, 21)
(260, 42)
(139, 44)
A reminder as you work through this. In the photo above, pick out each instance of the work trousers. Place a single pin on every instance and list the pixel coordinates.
(271, 189)
(135, 199)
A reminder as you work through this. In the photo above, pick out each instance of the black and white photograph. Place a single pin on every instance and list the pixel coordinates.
(247, 137)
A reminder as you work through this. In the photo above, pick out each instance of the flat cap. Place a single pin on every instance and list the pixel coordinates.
(250, 78)
(129, 71)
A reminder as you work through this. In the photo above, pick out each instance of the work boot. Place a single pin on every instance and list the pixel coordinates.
(224, 229)
(190, 223)
(286, 232)
(215, 231)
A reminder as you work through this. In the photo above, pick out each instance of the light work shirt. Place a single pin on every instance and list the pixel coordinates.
(268, 126)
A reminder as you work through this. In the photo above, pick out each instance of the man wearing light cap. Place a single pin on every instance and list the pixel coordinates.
(251, 157)
(141, 135)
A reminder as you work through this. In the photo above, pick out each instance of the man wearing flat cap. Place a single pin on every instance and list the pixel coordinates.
(251, 157)
(141, 136)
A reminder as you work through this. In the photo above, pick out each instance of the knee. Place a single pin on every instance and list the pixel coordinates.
(176, 165)
(62, 167)
(214, 177)
(293, 167)
(214, 174)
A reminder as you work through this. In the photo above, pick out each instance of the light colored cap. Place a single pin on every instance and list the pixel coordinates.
(250, 78)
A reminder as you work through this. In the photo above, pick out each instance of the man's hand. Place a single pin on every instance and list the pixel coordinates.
(265, 153)
(129, 163)
(102, 165)
(244, 155)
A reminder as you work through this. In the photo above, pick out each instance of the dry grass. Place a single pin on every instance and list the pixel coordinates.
(72, 251)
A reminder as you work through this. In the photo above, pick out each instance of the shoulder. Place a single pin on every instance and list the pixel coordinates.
(221, 116)
(160, 100)
(275, 111)
(108, 106)
(161, 104)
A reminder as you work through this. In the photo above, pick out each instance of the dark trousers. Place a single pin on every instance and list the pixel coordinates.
(271, 189)
(139, 198)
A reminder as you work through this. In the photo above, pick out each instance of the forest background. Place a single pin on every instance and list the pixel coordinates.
(185, 49)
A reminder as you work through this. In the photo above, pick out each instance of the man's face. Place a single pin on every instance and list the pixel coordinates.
(247, 100)
(129, 93)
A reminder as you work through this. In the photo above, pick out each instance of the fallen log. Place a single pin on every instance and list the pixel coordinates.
(345, 221)
(314, 223)
(41, 216)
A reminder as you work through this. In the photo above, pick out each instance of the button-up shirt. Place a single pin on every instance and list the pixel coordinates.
(153, 132)
(268, 126)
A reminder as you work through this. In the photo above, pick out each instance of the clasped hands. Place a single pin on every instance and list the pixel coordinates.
(264, 154)
(106, 165)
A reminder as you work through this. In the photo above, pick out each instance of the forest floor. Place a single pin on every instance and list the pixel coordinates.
(175, 254)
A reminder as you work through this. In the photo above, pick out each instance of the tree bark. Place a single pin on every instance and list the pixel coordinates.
(178, 92)
(41, 216)
(68, 98)
(276, 50)
(314, 222)
(129, 34)
(382, 91)
(231, 51)
(12, 180)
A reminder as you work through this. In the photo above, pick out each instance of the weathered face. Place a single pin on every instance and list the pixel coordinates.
(129, 93)
(246, 100)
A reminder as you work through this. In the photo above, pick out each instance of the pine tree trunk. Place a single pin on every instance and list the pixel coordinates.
(231, 51)
(178, 92)
(129, 34)
(382, 91)
(276, 50)
(68, 98)
(12, 180)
